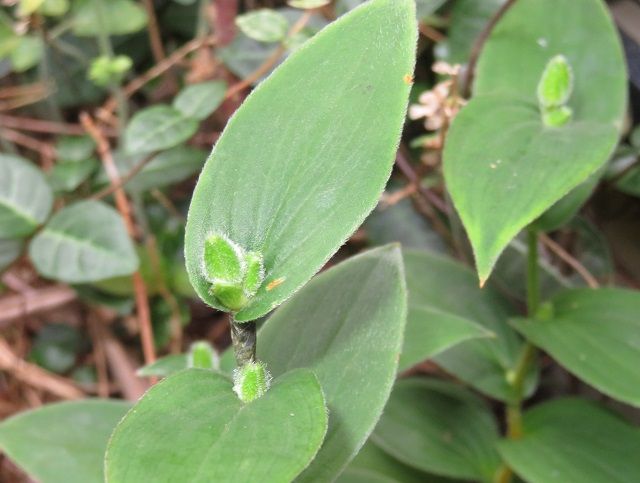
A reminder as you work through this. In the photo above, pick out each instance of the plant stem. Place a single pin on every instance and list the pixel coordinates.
(243, 336)
(527, 356)
(533, 276)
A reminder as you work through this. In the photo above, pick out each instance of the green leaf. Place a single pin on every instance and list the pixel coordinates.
(84, 242)
(439, 427)
(25, 197)
(430, 331)
(595, 334)
(55, 8)
(263, 25)
(192, 427)
(27, 7)
(157, 128)
(63, 442)
(564, 210)
(198, 101)
(74, 148)
(165, 366)
(118, 17)
(498, 144)
(629, 183)
(56, 347)
(308, 3)
(288, 194)
(69, 175)
(165, 169)
(574, 440)
(346, 325)
(9, 251)
(440, 284)
(373, 464)
(401, 223)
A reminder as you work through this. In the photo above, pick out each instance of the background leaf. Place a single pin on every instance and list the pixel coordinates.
(498, 142)
(263, 25)
(9, 251)
(291, 197)
(596, 335)
(63, 442)
(440, 284)
(157, 128)
(25, 197)
(346, 325)
(441, 428)
(192, 426)
(574, 440)
(120, 17)
(198, 101)
(84, 242)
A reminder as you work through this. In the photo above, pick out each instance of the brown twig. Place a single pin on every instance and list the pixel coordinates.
(36, 376)
(479, 44)
(112, 188)
(48, 127)
(570, 260)
(429, 32)
(154, 32)
(44, 149)
(407, 170)
(271, 61)
(39, 300)
(122, 368)
(159, 69)
(122, 203)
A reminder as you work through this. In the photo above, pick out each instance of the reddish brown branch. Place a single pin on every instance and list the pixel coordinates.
(122, 203)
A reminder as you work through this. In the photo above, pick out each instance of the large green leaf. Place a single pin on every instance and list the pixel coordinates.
(117, 17)
(25, 197)
(441, 428)
(283, 177)
(64, 442)
(347, 326)
(430, 331)
(596, 335)
(192, 427)
(503, 166)
(84, 242)
(156, 128)
(444, 286)
(572, 440)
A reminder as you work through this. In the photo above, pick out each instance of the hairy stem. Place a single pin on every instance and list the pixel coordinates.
(243, 336)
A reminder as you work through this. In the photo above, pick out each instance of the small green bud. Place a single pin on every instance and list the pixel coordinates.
(105, 71)
(251, 381)
(255, 273)
(203, 356)
(556, 84)
(557, 116)
(223, 260)
(234, 274)
(230, 294)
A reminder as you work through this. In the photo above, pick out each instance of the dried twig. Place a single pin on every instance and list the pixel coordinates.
(112, 188)
(154, 32)
(479, 44)
(123, 369)
(122, 203)
(49, 127)
(28, 303)
(36, 376)
(570, 260)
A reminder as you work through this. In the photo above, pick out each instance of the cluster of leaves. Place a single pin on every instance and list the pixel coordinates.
(523, 155)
